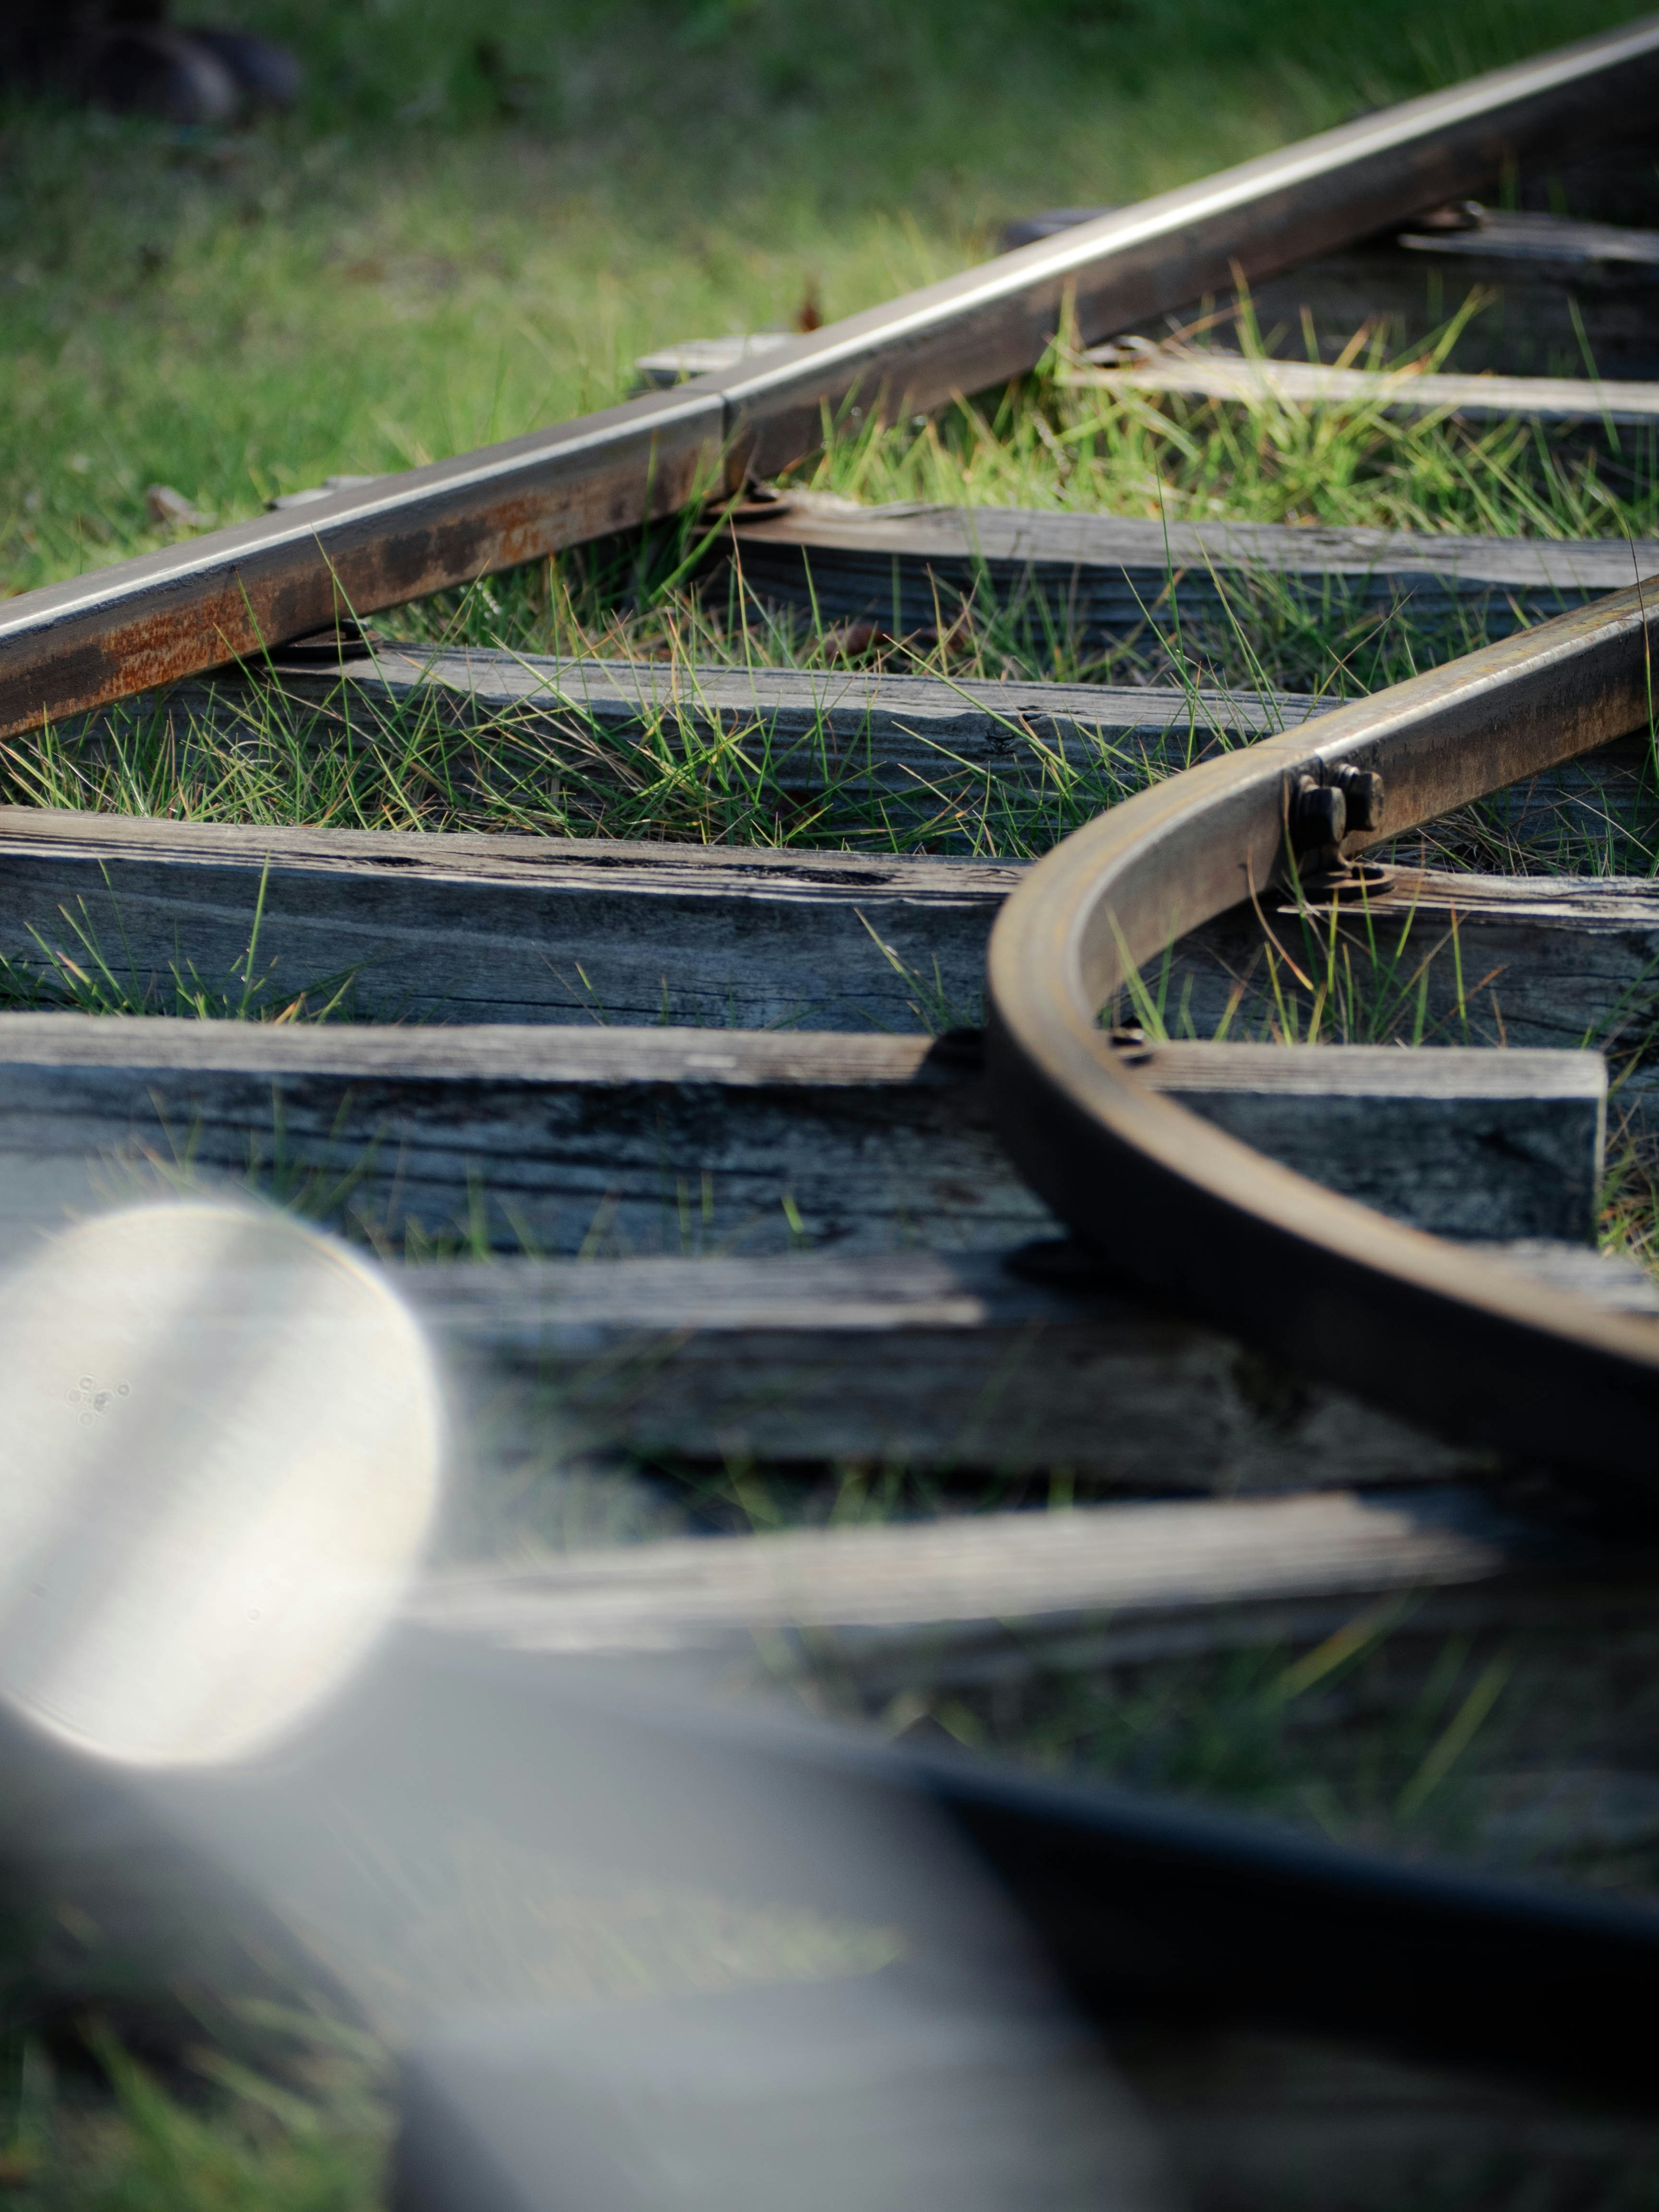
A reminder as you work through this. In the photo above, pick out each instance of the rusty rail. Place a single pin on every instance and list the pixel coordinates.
(1434, 1331)
(76, 646)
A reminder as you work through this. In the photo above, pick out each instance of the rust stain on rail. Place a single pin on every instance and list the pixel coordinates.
(86, 656)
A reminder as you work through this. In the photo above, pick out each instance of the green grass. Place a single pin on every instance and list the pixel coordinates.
(238, 2137)
(485, 211)
(160, 2044)
(1391, 1732)
(482, 213)
(82, 973)
(395, 765)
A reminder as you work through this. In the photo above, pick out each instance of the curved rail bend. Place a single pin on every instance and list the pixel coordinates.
(1433, 1330)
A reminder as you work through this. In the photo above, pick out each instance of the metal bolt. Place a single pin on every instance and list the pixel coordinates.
(1319, 815)
(1361, 794)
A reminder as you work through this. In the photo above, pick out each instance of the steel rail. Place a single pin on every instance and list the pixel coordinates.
(1432, 1330)
(73, 646)
(1147, 1906)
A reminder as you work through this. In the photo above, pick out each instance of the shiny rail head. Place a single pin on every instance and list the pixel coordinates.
(221, 1436)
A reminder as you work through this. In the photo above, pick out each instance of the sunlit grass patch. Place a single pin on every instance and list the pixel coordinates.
(240, 2136)
(438, 250)
(424, 757)
(1043, 442)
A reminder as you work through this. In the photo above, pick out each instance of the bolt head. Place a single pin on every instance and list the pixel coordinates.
(1319, 816)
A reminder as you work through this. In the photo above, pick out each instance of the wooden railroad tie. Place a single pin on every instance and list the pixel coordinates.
(572, 1140)
(961, 1364)
(708, 1184)
(980, 1596)
(923, 756)
(906, 749)
(562, 1134)
(1257, 381)
(1100, 578)
(1552, 293)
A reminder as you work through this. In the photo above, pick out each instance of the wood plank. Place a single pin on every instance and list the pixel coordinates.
(958, 1363)
(1135, 1562)
(925, 756)
(944, 1362)
(1555, 289)
(915, 747)
(1529, 961)
(1104, 578)
(1257, 381)
(645, 1140)
(460, 928)
(1572, 570)
(1559, 295)
(1406, 1131)
(975, 1599)
(550, 1139)
(455, 928)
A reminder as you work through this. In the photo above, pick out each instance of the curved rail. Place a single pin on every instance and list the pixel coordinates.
(1434, 1330)
(71, 646)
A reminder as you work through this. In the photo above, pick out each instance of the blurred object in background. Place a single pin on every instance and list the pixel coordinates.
(220, 1461)
(265, 74)
(885, 2091)
(122, 55)
(1027, 230)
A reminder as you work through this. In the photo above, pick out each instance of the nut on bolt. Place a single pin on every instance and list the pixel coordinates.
(1323, 814)
(1361, 794)
(1319, 815)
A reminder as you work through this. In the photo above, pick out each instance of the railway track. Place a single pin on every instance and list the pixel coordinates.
(1349, 1292)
